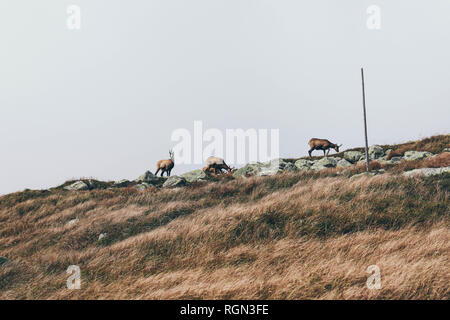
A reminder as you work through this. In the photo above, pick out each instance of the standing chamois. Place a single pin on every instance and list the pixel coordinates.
(322, 144)
(165, 165)
(217, 164)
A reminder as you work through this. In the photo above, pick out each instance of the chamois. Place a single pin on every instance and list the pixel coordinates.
(217, 164)
(165, 165)
(322, 144)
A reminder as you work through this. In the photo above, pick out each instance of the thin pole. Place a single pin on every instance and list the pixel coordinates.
(365, 120)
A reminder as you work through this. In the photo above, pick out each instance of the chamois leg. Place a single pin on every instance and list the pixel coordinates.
(328, 151)
(311, 150)
(323, 152)
(156, 173)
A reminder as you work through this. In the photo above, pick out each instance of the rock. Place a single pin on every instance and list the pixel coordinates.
(251, 169)
(142, 186)
(375, 152)
(396, 159)
(174, 181)
(77, 186)
(324, 163)
(102, 236)
(303, 164)
(72, 222)
(426, 172)
(353, 156)
(364, 174)
(195, 175)
(122, 183)
(275, 166)
(343, 163)
(446, 150)
(4, 261)
(147, 177)
(416, 155)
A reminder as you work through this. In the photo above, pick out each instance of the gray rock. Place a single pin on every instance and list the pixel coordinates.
(174, 181)
(396, 159)
(143, 185)
(303, 164)
(73, 222)
(275, 166)
(416, 155)
(147, 177)
(375, 152)
(77, 186)
(102, 236)
(324, 163)
(343, 163)
(446, 150)
(250, 169)
(426, 172)
(195, 175)
(353, 156)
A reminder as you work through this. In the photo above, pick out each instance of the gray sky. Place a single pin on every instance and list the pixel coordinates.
(103, 101)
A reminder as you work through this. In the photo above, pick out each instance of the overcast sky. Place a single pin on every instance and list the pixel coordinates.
(104, 100)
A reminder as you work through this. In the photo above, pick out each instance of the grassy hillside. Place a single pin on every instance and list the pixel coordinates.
(289, 236)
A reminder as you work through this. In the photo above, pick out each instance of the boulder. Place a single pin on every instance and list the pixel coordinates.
(195, 175)
(147, 177)
(416, 155)
(324, 163)
(102, 236)
(77, 186)
(426, 172)
(396, 159)
(303, 164)
(174, 181)
(353, 156)
(343, 163)
(250, 169)
(375, 152)
(275, 166)
(446, 150)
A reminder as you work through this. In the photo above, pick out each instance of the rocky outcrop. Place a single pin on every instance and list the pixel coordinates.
(250, 169)
(376, 152)
(353, 156)
(174, 181)
(303, 164)
(324, 163)
(426, 172)
(77, 186)
(147, 177)
(343, 164)
(416, 155)
(195, 175)
(275, 166)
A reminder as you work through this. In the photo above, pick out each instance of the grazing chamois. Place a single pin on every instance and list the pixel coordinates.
(165, 165)
(322, 144)
(217, 164)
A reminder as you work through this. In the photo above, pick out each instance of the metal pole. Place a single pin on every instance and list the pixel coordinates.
(365, 120)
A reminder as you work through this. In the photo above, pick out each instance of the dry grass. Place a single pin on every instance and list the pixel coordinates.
(289, 236)
(434, 144)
